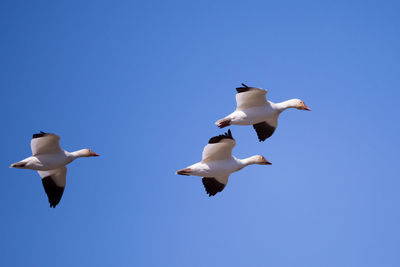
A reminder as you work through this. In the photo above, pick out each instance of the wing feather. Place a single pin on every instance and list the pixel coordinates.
(263, 130)
(45, 143)
(54, 182)
(219, 147)
(253, 97)
(214, 185)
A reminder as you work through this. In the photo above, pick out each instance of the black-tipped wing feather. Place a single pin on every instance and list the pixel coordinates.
(54, 183)
(250, 97)
(212, 186)
(45, 143)
(264, 130)
(218, 138)
(53, 192)
(38, 135)
(245, 88)
(219, 147)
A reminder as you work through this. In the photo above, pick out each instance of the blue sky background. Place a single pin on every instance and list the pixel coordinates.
(142, 82)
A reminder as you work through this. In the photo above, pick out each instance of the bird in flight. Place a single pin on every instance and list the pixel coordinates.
(253, 108)
(50, 160)
(218, 163)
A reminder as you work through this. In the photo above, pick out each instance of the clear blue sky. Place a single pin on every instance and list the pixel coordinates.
(142, 83)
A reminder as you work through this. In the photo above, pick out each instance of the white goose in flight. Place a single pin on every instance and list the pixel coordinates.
(218, 163)
(254, 109)
(49, 160)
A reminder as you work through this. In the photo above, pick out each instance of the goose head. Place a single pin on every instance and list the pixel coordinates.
(87, 153)
(260, 160)
(299, 104)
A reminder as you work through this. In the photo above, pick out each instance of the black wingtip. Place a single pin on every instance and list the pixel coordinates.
(229, 133)
(212, 186)
(243, 89)
(263, 130)
(41, 134)
(218, 138)
(53, 191)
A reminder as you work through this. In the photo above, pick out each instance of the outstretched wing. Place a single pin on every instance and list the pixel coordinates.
(219, 147)
(45, 143)
(248, 97)
(54, 183)
(263, 130)
(214, 185)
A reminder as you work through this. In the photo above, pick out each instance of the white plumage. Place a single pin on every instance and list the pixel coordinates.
(254, 109)
(218, 163)
(49, 160)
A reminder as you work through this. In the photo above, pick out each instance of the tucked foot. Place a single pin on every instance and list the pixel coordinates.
(223, 123)
(186, 171)
(18, 165)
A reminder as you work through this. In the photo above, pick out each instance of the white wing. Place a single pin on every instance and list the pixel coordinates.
(218, 151)
(45, 143)
(54, 183)
(253, 97)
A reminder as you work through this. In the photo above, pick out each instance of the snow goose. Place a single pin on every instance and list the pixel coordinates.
(49, 160)
(254, 109)
(218, 163)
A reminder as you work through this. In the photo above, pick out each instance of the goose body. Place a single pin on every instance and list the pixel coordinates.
(50, 160)
(254, 109)
(218, 163)
(46, 162)
(218, 168)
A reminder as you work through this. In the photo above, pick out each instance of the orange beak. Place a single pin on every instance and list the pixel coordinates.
(267, 162)
(94, 154)
(306, 108)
